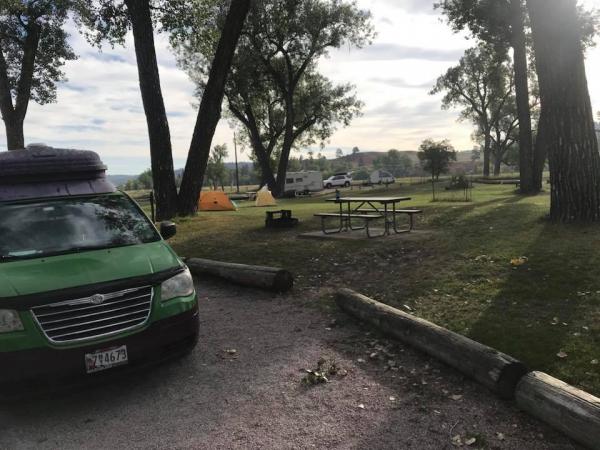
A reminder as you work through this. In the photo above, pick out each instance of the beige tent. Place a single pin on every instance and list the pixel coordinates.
(265, 198)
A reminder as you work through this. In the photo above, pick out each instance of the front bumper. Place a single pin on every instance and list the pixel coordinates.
(50, 367)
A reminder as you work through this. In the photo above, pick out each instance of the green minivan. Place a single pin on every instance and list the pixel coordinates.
(87, 283)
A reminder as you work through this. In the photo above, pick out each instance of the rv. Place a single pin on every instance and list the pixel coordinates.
(304, 182)
(381, 177)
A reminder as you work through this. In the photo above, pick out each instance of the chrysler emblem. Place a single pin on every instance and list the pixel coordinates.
(97, 299)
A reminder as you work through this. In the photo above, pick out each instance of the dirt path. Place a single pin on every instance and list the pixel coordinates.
(254, 398)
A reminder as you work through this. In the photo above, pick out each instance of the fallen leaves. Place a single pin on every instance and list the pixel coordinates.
(458, 441)
(470, 441)
(229, 354)
(313, 378)
(323, 370)
(516, 262)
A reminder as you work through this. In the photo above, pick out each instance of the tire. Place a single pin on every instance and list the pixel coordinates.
(347, 184)
(328, 186)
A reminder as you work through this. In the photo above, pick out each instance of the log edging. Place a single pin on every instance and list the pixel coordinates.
(262, 277)
(572, 411)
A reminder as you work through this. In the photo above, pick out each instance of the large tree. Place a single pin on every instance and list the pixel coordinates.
(33, 49)
(276, 91)
(502, 23)
(566, 111)
(110, 20)
(482, 84)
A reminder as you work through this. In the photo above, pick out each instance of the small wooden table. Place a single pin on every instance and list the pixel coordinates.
(385, 207)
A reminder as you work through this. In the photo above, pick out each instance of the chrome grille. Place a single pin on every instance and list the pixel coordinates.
(96, 316)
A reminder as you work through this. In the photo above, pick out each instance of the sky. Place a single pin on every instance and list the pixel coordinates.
(100, 107)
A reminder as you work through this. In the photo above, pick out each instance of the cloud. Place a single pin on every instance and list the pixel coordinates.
(412, 6)
(107, 57)
(402, 83)
(396, 52)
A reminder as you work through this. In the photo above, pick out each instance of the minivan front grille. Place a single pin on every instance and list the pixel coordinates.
(93, 317)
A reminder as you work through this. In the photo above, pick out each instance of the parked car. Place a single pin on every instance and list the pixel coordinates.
(337, 180)
(381, 177)
(87, 283)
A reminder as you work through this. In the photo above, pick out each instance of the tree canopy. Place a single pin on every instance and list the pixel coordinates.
(482, 84)
(435, 156)
(275, 90)
(33, 49)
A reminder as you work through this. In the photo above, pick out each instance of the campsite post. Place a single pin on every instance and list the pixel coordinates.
(237, 173)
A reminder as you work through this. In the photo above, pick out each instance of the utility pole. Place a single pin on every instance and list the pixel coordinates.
(237, 173)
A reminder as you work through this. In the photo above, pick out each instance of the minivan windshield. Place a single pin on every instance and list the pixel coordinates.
(59, 226)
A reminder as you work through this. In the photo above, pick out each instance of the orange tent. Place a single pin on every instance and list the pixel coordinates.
(215, 201)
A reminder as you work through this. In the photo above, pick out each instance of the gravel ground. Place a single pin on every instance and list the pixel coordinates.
(384, 396)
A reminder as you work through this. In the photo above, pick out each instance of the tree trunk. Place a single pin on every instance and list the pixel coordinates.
(210, 108)
(14, 116)
(286, 147)
(163, 175)
(497, 165)
(567, 110)
(264, 163)
(540, 155)
(519, 44)
(15, 139)
(487, 150)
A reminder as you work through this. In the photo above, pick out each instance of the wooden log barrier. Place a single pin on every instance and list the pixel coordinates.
(495, 370)
(269, 278)
(568, 409)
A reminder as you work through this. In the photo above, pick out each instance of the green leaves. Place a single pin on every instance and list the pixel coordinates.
(34, 49)
(435, 156)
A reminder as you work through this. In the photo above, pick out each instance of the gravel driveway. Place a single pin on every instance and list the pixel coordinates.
(242, 388)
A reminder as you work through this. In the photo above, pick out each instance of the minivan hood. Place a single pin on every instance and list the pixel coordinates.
(34, 276)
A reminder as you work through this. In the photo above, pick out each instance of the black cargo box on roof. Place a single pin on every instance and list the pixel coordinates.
(41, 171)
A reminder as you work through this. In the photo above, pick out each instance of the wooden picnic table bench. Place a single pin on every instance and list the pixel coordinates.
(345, 222)
(409, 212)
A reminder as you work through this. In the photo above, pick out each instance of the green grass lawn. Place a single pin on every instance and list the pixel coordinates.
(458, 274)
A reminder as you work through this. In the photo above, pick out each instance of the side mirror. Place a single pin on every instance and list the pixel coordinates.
(168, 230)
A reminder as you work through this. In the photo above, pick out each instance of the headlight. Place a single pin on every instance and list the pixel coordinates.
(10, 321)
(181, 285)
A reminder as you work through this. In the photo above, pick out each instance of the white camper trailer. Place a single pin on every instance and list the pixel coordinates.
(381, 177)
(304, 182)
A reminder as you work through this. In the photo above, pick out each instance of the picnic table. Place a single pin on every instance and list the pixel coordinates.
(367, 209)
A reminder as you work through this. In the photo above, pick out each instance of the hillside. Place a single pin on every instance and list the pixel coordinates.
(366, 159)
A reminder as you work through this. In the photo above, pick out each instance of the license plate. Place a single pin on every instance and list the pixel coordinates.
(105, 359)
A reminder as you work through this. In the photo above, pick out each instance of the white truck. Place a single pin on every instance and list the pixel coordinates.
(304, 182)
